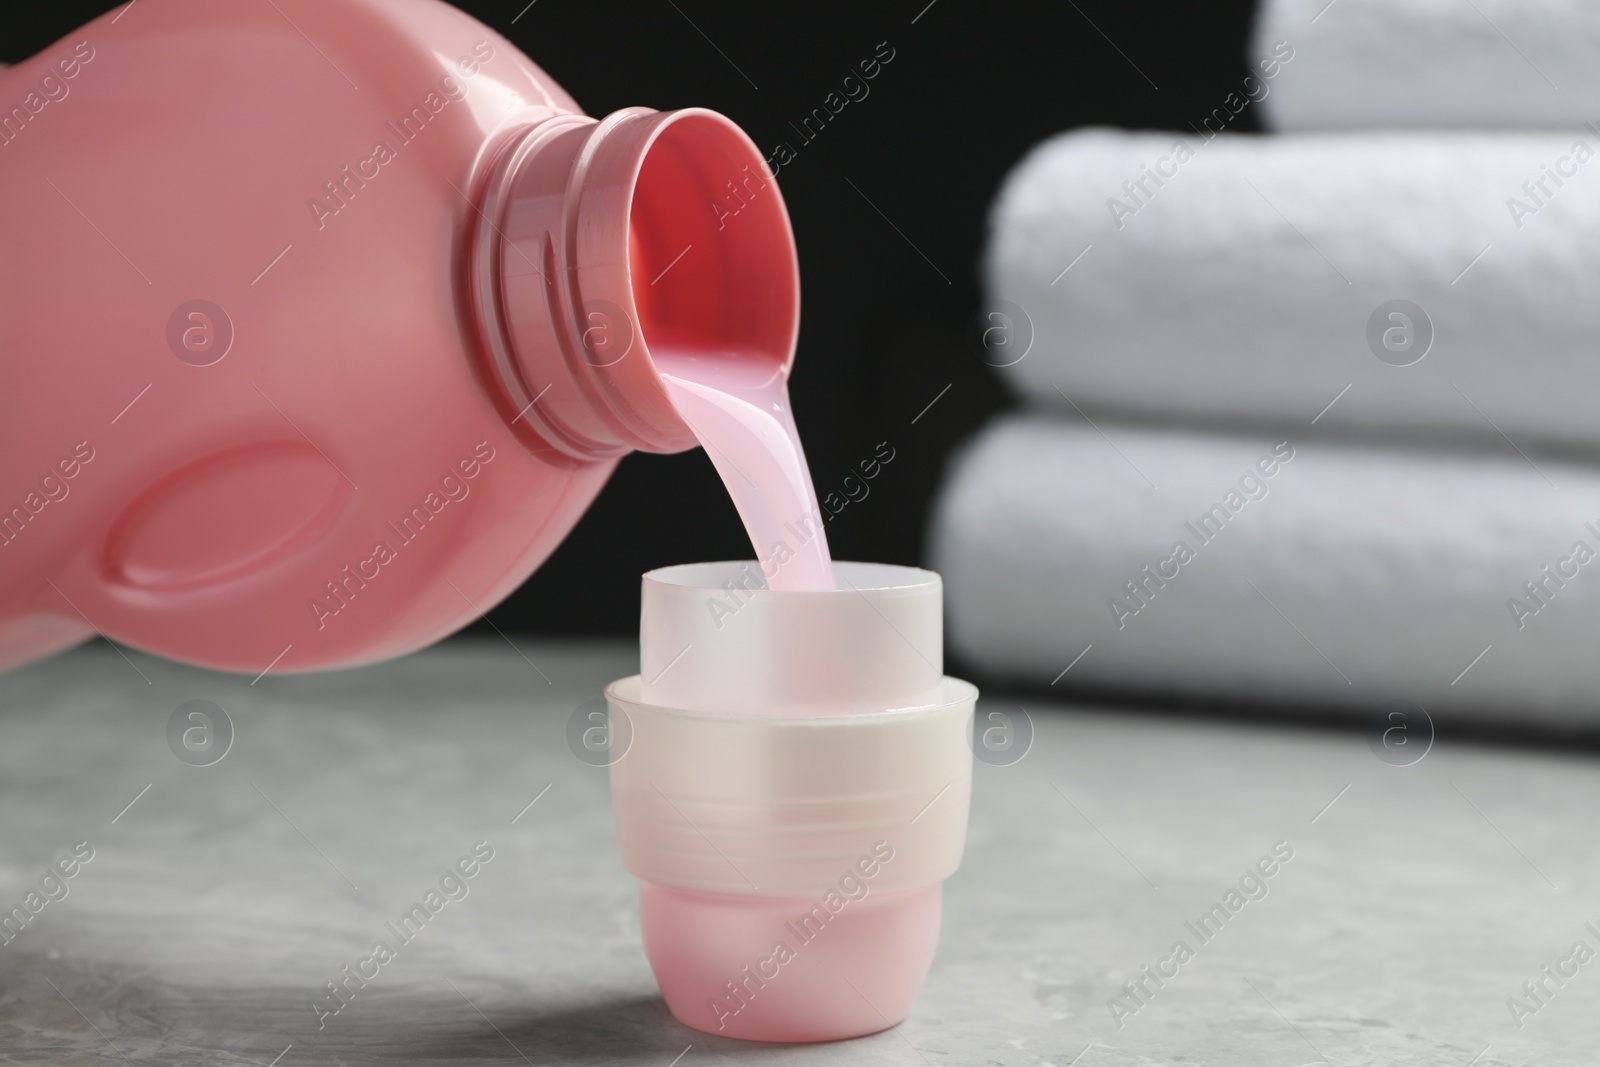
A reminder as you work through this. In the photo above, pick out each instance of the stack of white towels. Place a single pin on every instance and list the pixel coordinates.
(1312, 417)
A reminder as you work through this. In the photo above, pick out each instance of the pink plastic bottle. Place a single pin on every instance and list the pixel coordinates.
(324, 320)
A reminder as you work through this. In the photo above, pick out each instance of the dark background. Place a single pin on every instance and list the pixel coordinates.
(971, 87)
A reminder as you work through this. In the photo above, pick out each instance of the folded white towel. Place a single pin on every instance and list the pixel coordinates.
(1328, 574)
(1238, 277)
(1367, 63)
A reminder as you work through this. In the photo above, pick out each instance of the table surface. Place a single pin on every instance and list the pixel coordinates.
(1418, 900)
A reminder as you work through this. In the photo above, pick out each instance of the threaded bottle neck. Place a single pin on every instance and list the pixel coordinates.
(596, 240)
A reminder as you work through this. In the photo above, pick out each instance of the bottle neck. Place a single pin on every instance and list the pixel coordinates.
(596, 240)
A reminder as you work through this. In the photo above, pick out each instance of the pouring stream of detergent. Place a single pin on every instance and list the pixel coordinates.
(739, 409)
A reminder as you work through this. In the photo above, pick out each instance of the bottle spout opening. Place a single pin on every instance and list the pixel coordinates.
(711, 253)
(605, 248)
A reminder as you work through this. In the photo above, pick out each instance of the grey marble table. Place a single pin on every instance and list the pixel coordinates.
(220, 899)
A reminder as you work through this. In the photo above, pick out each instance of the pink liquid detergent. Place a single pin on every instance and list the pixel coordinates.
(740, 413)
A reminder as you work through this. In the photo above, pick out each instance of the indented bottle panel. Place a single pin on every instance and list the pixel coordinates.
(224, 518)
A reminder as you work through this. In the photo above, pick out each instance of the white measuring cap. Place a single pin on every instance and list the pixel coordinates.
(794, 790)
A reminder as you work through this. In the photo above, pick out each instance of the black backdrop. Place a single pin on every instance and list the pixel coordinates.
(885, 313)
